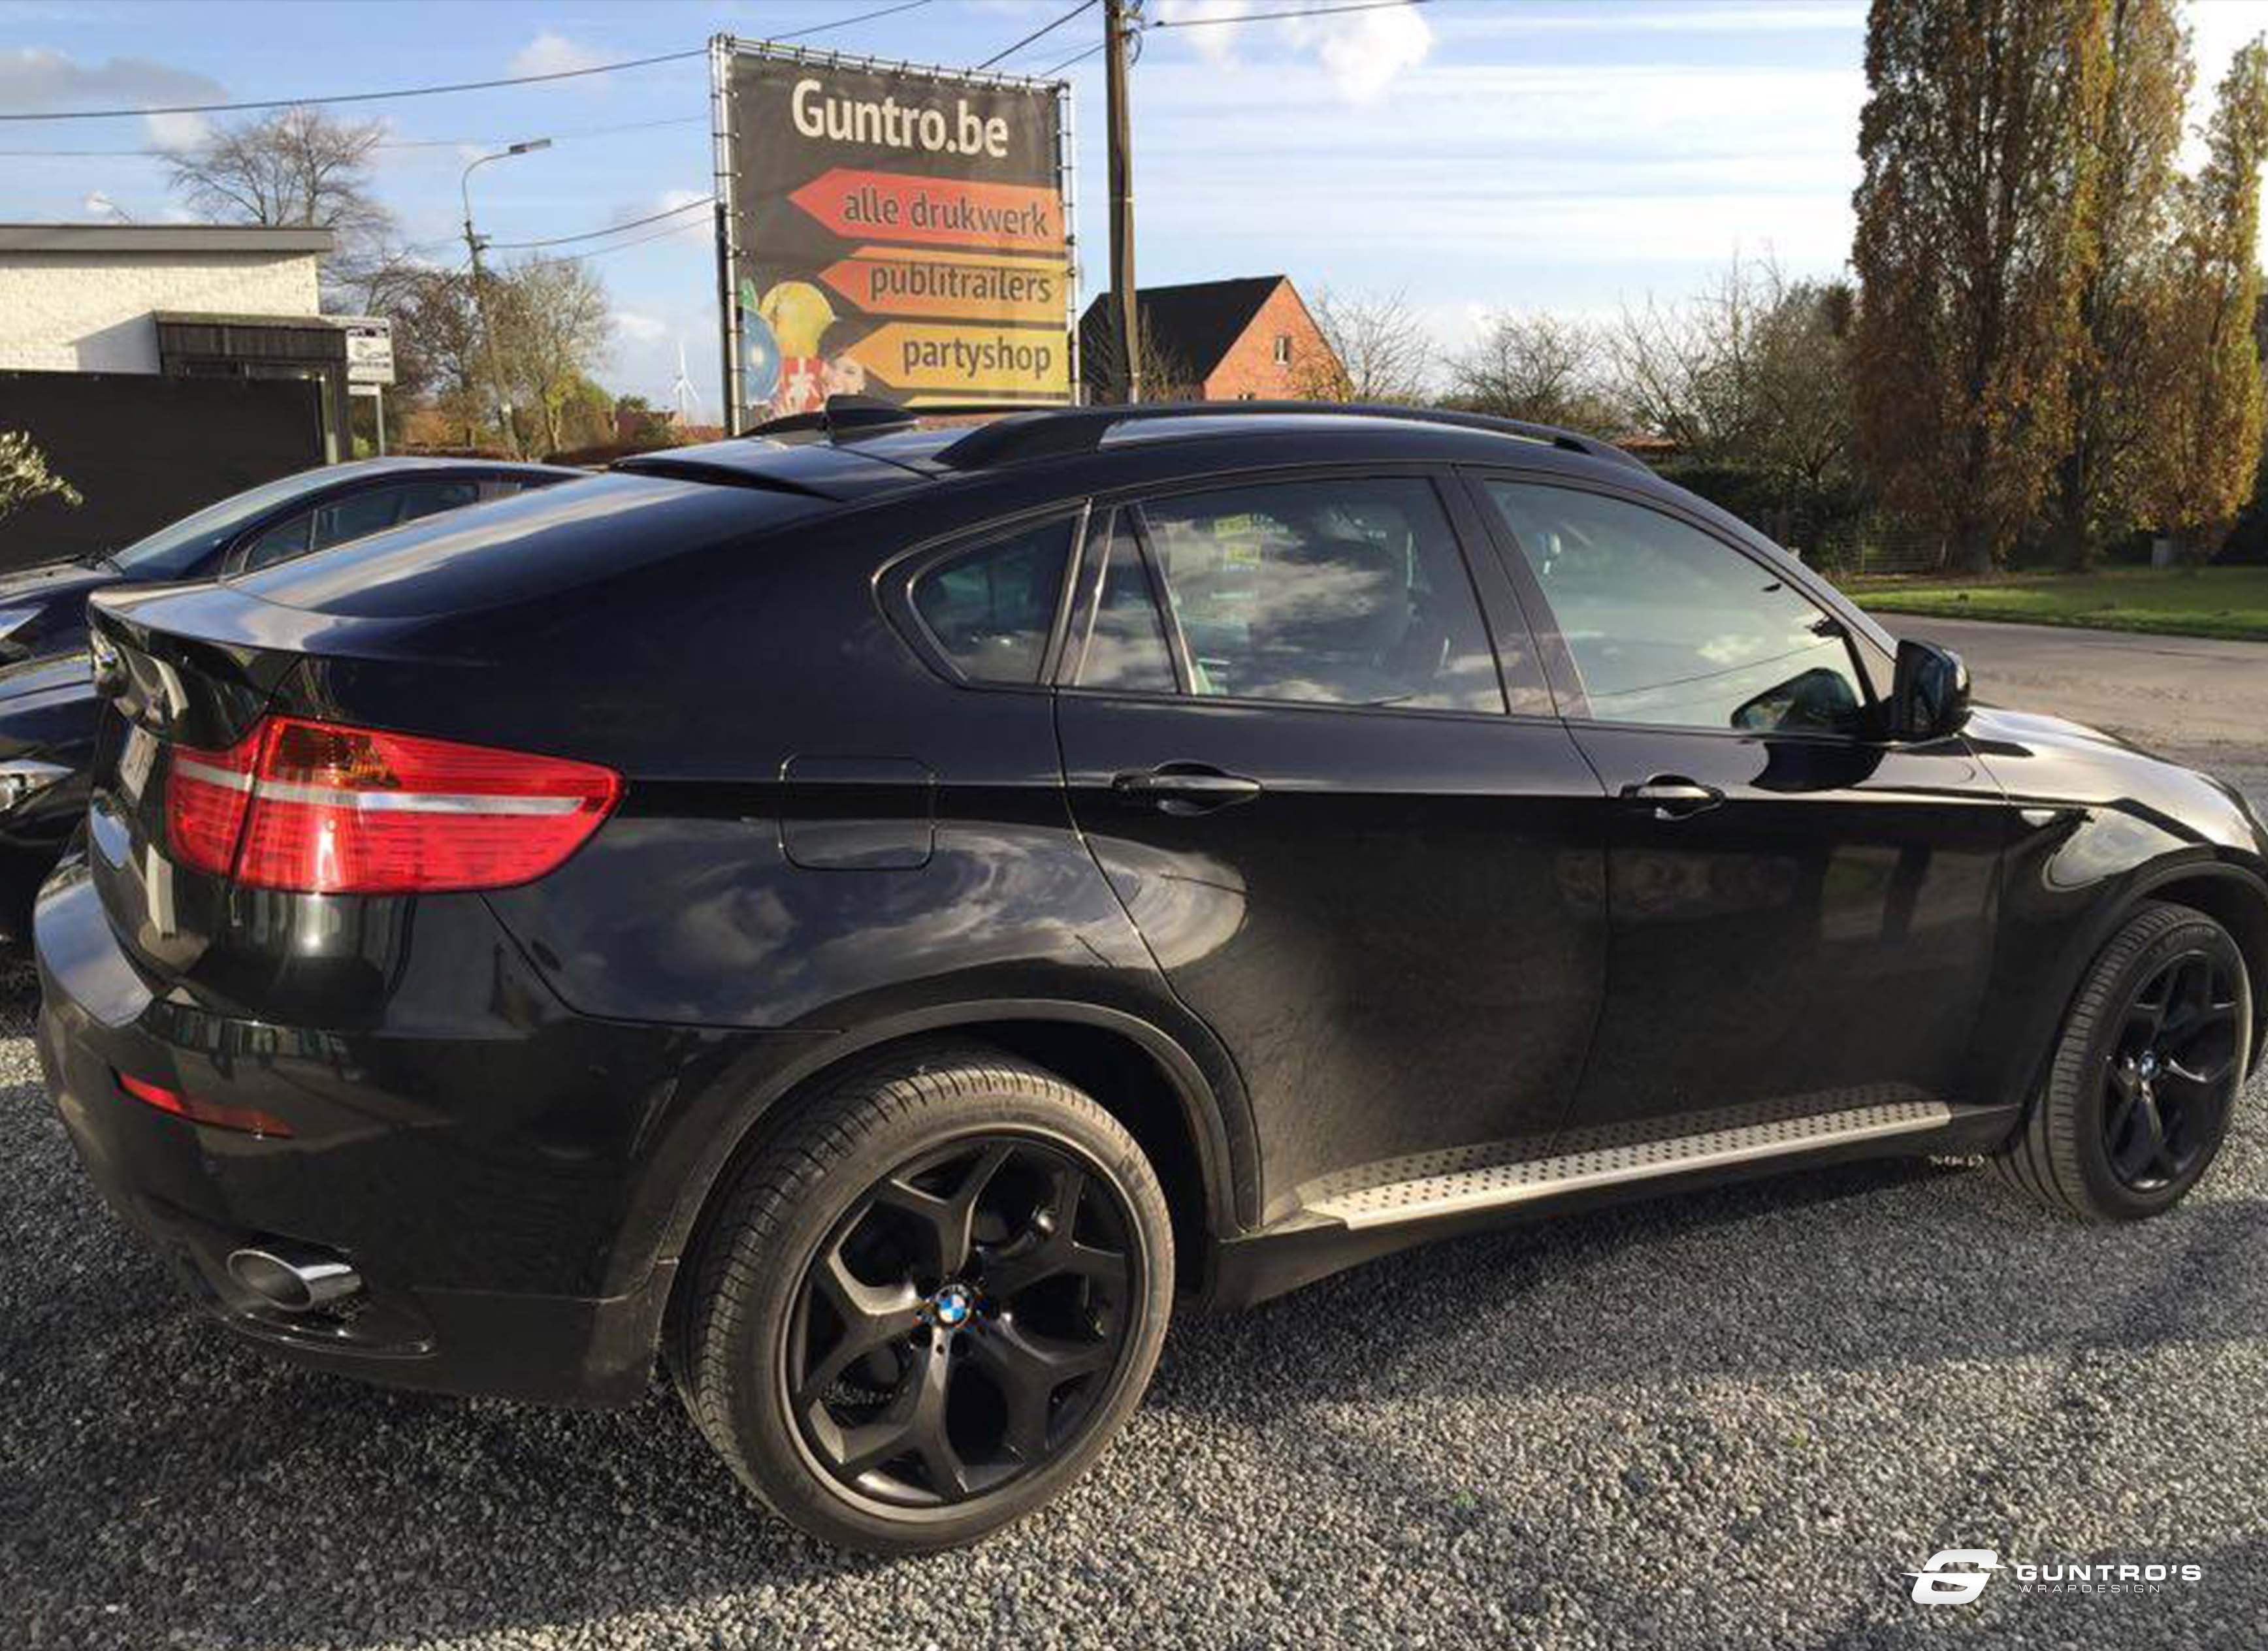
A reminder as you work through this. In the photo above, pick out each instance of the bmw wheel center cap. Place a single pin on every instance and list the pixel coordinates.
(951, 1306)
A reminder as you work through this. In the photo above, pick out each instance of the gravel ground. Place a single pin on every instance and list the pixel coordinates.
(1732, 1419)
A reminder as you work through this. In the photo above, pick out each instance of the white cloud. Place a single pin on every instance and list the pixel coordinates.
(36, 79)
(1212, 39)
(551, 54)
(1362, 53)
(642, 329)
(176, 131)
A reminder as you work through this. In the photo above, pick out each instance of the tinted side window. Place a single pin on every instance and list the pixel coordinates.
(280, 543)
(992, 608)
(1126, 647)
(430, 498)
(1669, 625)
(1350, 592)
(357, 514)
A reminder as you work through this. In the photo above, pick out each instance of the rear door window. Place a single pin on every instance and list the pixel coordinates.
(1126, 647)
(1344, 591)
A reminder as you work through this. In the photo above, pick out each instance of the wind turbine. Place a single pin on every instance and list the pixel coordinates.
(687, 399)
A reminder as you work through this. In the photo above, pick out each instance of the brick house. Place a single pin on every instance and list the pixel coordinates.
(1244, 340)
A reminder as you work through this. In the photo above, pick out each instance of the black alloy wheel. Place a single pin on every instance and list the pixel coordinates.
(957, 1328)
(2143, 1080)
(2174, 1074)
(927, 1300)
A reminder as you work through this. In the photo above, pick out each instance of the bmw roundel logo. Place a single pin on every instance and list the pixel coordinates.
(951, 1306)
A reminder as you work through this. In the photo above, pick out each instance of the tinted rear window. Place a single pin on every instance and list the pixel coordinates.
(520, 548)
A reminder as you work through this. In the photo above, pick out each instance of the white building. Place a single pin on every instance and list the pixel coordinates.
(84, 298)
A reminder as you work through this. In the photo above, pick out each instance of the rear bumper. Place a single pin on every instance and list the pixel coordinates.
(503, 1183)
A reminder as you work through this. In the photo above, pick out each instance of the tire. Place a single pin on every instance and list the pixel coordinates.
(2158, 1034)
(828, 1320)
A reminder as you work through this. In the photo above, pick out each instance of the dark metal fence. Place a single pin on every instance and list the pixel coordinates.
(144, 450)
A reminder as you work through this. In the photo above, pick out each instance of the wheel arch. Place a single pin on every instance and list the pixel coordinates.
(1197, 1138)
(2235, 899)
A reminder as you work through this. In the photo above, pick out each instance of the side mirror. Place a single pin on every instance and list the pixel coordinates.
(1929, 694)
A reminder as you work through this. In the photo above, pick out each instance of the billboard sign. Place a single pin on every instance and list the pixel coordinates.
(889, 230)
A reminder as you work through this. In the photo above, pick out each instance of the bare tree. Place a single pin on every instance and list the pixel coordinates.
(1378, 350)
(1688, 371)
(1541, 367)
(438, 346)
(550, 317)
(297, 167)
(1753, 378)
(1165, 377)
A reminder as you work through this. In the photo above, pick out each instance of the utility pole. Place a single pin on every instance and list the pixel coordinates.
(480, 300)
(1126, 373)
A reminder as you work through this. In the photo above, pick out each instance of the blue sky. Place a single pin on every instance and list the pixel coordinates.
(1474, 155)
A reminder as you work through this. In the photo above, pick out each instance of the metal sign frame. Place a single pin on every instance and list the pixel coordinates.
(722, 50)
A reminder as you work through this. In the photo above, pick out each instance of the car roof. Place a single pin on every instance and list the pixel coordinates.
(867, 459)
(410, 464)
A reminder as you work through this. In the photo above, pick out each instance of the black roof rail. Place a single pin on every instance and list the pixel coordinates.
(845, 417)
(1023, 436)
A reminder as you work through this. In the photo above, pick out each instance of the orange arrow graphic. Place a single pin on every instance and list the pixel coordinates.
(968, 286)
(922, 355)
(891, 206)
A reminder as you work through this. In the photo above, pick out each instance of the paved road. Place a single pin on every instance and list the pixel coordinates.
(1728, 1419)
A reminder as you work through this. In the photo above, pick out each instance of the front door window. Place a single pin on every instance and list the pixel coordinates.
(1669, 625)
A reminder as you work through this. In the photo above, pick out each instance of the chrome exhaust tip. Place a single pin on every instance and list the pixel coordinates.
(291, 1278)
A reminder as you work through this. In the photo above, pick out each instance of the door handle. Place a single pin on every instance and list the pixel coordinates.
(1185, 788)
(1673, 796)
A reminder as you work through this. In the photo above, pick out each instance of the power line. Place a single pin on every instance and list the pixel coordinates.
(362, 96)
(1076, 57)
(391, 142)
(624, 246)
(566, 137)
(844, 23)
(1045, 28)
(1268, 17)
(611, 229)
(437, 91)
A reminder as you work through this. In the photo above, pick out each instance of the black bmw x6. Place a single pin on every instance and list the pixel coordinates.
(883, 919)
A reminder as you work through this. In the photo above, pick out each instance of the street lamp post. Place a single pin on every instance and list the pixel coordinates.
(480, 303)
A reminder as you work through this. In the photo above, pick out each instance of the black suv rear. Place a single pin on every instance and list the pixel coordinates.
(880, 919)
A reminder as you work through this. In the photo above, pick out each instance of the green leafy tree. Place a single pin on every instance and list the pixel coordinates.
(1972, 246)
(2203, 470)
(551, 323)
(2118, 385)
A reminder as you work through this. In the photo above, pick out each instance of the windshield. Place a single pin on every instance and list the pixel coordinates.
(176, 550)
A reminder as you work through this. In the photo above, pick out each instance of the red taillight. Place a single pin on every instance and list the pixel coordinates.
(320, 809)
(250, 1119)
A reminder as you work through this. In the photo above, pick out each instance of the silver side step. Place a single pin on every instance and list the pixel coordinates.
(1484, 1178)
